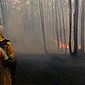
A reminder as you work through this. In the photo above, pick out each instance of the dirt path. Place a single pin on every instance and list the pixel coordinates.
(50, 70)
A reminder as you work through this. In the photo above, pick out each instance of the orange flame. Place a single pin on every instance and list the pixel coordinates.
(62, 45)
(79, 46)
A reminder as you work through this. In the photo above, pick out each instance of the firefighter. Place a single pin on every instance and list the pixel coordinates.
(7, 46)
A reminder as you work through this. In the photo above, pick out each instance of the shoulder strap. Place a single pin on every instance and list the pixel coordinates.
(4, 42)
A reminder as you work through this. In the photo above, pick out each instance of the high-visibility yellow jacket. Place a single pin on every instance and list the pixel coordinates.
(8, 49)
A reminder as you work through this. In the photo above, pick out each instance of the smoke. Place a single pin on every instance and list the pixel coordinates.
(24, 26)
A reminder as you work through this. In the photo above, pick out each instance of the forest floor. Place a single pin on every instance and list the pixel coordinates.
(45, 69)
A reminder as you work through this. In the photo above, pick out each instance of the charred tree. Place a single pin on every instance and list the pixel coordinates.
(82, 26)
(62, 12)
(76, 28)
(60, 26)
(70, 25)
(56, 22)
(42, 24)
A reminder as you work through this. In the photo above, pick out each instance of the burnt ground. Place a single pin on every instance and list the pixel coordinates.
(44, 69)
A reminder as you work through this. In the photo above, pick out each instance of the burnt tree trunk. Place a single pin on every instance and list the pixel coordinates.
(70, 25)
(82, 26)
(42, 24)
(76, 28)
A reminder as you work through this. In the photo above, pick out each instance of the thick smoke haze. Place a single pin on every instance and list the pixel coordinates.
(36, 26)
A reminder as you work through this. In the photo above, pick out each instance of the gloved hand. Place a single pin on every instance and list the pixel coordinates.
(4, 54)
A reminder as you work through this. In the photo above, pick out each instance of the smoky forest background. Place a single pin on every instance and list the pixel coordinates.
(44, 26)
(48, 39)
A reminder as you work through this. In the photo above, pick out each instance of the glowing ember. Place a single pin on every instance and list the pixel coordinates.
(62, 45)
(79, 46)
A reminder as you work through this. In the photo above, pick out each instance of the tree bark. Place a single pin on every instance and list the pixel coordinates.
(82, 26)
(42, 24)
(76, 28)
(63, 25)
(70, 25)
(56, 22)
